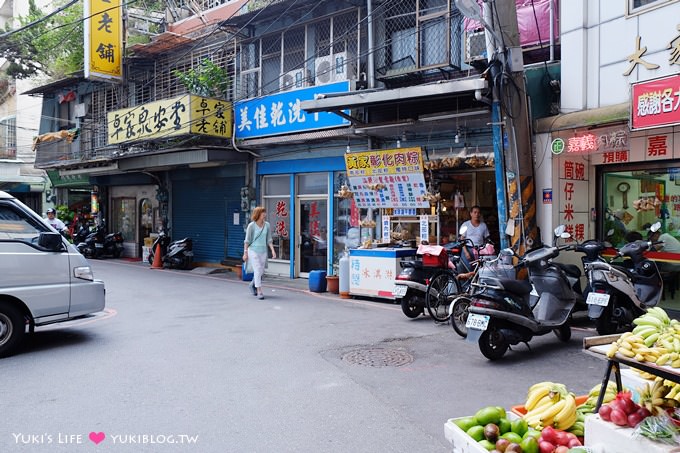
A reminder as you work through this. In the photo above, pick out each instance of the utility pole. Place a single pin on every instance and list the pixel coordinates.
(509, 90)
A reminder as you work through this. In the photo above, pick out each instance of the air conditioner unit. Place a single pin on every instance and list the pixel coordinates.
(334, 68)
(293, 80)
(475, 46)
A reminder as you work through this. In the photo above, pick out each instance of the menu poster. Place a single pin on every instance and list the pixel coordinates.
(391, 178)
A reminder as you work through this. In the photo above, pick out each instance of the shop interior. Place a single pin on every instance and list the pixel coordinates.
(635, 199)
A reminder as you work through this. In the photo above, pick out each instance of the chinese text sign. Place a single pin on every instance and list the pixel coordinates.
(170, 117)
(103, 39)
(655, 103)
(281, 113)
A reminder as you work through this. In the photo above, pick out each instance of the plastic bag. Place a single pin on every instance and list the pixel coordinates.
(660, 429)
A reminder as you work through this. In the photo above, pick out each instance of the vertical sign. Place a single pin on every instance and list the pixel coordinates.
(103, 39)
(573, 191)
(386, 229)
(424, 228)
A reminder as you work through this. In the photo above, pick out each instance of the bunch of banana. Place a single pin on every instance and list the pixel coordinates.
(591, 402)
(578, 428)
(633, 346)
(654, 397)
(550, 404)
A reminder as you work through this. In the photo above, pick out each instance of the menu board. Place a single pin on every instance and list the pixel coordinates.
(391, 178)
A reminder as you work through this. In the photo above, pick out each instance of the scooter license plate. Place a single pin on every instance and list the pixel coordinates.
(99, 246)
(399, 290)
(477, 322)
(600, 299)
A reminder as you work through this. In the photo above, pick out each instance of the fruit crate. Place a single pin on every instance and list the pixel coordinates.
(461, 442)
(611, 438)
(521, 411)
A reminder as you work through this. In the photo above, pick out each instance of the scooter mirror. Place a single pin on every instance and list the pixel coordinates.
(462, 230)
(559, 230)
(654, 228)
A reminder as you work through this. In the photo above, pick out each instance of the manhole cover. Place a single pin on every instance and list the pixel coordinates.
(378, 357)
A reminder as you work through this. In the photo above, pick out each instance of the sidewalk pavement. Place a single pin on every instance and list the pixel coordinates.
(299, 284)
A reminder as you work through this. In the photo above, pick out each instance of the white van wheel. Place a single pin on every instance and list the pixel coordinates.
(11, 328)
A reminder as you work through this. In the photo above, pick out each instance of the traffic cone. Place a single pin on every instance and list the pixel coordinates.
(157, 261)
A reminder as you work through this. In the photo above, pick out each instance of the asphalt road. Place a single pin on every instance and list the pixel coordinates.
(185, 362)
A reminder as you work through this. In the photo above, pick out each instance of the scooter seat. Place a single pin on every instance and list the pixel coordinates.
(571, 270)
(520, 287)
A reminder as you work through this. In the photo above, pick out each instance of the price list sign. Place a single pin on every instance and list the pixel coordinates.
(390, 178)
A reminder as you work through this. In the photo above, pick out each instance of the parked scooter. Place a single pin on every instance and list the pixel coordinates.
(99, 244)
(410, 285)
(502, 312)
(174, 255)
(180, 254)
(620, 293)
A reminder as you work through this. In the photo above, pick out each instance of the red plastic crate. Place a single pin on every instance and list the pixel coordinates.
(440, 260)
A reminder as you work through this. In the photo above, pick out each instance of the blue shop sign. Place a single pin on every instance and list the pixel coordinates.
(281, 113)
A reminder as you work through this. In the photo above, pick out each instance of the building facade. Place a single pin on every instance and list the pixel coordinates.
(609, 160)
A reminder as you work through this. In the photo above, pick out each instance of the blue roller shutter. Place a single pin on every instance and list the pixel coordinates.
(203, 209)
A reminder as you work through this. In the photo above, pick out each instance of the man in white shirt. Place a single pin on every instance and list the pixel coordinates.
(54, 221)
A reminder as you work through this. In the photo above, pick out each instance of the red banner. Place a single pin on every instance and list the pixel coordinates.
(656, 103)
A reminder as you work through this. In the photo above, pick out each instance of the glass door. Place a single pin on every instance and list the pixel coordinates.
(313, 230)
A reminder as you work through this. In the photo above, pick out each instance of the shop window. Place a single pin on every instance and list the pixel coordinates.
(312, 184)
(276, 185)
(636, 6)
(276, 195)
(634, 200)
(346, 219)
(124, 217)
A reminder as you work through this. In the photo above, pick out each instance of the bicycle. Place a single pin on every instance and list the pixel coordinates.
(446, 283)
(484, 268)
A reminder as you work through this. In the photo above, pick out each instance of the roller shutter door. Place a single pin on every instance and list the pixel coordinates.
(202, 209)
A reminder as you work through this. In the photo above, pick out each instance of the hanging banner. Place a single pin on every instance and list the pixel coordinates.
(655, 103)
(391, 178)
(103, 31)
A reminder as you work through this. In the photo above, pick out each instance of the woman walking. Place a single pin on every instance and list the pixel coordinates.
(258, 237)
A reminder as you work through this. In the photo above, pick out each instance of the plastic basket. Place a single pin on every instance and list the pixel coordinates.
(440, 260)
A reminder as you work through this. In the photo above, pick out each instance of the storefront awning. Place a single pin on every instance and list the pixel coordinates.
(584, 118)
(357, 99)
(22, 183)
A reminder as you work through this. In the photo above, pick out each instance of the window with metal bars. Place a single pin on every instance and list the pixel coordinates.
(418, 35)
(167, 83)
(318, 52)
(8, 137)
(105, 99)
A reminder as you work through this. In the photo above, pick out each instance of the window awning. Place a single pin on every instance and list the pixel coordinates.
(368, 98)
(584, 118)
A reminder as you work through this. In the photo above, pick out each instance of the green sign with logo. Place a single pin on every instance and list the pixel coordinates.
(557, 146)
(68, 181)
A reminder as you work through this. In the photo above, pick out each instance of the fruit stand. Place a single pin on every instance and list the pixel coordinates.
(610, 419)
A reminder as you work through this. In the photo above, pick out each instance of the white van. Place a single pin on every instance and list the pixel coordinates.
(43, 278)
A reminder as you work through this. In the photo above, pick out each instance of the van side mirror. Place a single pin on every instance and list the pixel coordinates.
(51, 241)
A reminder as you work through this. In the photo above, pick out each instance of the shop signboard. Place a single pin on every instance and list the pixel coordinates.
(281, 113)
(604, 145)
(391, 178)
(103, 32)
(181, 115)
(572, 190)
(655, 103)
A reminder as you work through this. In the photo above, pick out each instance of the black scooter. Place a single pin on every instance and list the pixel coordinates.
(620, 293)
(503, 313)
(99, 244)
(174, 255)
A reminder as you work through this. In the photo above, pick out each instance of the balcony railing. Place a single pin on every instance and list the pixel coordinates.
(61, 153)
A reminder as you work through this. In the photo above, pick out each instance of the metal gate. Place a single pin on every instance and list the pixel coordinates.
(202, 209)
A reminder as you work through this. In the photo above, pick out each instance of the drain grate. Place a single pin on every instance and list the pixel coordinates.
(378, 357)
